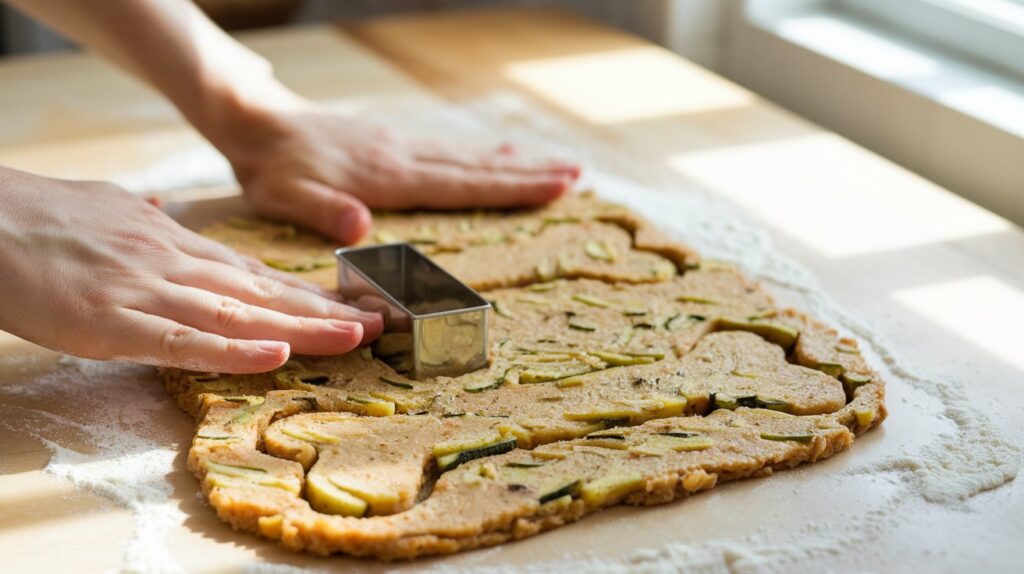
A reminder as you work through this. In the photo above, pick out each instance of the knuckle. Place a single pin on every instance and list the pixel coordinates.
(381, 160)
(176, 339)
(234, 348)
(266, 288)
(143, 243)
(96, 297)
(231, 313)
(384, 134)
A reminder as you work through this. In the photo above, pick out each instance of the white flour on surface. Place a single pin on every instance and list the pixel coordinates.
(124, 460)
(948, 467)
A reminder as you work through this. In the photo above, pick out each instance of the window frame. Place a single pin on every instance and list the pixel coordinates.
(962, 27)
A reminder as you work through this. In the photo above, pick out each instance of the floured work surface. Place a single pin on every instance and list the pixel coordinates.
(623, 370)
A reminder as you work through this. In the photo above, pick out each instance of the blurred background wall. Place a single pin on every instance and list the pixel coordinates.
(644, 17)
(934, 85)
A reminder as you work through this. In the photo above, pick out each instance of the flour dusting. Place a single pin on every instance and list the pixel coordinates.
(129, 462)
(123, 460)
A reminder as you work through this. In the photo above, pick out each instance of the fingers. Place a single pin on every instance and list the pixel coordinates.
(229, 317)
(257, 267)
(441, 186)
(205, 248)
(265, 290)
(159, 341)
(504, 159)
(332, 213)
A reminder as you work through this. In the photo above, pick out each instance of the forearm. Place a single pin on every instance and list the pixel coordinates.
(170, 44)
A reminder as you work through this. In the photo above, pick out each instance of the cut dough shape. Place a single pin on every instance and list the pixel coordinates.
(623, 370)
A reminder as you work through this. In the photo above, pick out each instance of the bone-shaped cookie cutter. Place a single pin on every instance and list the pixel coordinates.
(434, 324)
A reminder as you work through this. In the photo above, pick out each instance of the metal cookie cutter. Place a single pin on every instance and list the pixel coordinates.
(434, 324)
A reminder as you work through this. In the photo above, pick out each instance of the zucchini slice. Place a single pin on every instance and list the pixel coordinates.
(610, 487)
(309, 435)
(245, 414)
(853, 381)
(450, 461)
(834, 370)
(592, 301)
(395, 382)
(299, 266)
(300, 379)
(720, 401)
(385, 236)
(232, 475)
(864, 417)
(209, 437)
(374, 407)
(624, 359)
(524, 464)
(500, 310)
(547, 270)
(600, 251)
(581, 326)
(533, 300)
(484, 385)
(696, 299)
(327, 498)
(617, 415)
(234, 470)
(848, 348)
(542, 287)
(661, 444)
(788, 437)
(611, 436)
(380, 502)
(527, 376)
(782, 335)
(571, 489)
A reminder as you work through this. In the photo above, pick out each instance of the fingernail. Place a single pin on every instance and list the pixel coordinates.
(348, 309)
(278, 349)
(272, 346)
(564, 182)
(373, 328)
(351, 225)
(369, 317)
(346, 326)
(332, 295)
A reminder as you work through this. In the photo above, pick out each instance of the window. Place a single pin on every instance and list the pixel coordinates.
(988, 30)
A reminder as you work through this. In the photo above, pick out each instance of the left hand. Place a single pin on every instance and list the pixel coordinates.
(309, 166)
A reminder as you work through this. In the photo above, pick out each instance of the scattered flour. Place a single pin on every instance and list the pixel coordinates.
(125, 460)
(129, 463)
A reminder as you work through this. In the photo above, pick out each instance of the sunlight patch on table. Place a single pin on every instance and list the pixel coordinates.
(983, 310)
(835, 197)
(625, 85)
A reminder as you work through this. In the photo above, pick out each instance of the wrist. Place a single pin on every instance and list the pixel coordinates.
(240, 110)
(240, 115)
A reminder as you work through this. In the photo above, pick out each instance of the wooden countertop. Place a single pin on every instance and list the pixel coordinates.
(938, 275)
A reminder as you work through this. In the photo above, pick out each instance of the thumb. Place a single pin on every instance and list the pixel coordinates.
(332, 213)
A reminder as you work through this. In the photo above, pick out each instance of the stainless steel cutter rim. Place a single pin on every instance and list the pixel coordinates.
(484, 303)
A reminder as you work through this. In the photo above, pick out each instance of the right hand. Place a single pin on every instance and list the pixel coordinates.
(90, 270)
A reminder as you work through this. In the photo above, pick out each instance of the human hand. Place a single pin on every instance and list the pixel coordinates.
(321, 170)
(92, 271)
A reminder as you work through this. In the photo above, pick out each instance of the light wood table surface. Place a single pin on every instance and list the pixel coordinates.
(941, 277)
